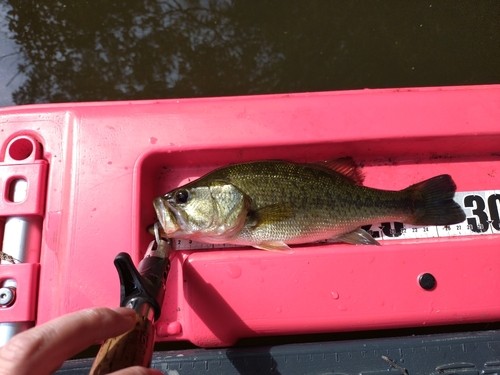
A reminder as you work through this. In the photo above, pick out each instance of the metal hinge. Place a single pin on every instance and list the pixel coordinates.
(23, 180)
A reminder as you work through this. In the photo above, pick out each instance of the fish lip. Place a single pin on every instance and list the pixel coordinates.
(165, 217)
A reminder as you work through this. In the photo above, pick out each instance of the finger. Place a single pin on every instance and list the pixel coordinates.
(43, 349)
(137, 370)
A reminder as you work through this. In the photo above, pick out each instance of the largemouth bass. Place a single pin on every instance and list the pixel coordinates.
(272, 204)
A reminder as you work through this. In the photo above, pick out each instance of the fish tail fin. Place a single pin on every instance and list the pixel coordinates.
(433, 202)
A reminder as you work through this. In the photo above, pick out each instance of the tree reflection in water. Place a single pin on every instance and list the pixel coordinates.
(136, 49)
(105, 50)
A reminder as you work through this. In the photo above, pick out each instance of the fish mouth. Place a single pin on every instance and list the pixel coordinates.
(165, 217)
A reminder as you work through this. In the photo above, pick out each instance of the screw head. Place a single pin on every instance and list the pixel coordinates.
(7, 296)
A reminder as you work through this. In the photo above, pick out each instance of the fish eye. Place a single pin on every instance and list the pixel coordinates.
(182, 196)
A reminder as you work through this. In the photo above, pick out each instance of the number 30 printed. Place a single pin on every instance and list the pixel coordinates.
(481, 222)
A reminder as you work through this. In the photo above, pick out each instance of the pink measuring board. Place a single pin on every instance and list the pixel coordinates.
(92, 170)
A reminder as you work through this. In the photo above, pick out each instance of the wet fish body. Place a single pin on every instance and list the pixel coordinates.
(273, 204)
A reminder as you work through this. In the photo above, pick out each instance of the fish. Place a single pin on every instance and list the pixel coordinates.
(272, 204)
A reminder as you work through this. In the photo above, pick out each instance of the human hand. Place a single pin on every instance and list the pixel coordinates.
(43, 349)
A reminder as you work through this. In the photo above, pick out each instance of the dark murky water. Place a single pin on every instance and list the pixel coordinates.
(86, 50)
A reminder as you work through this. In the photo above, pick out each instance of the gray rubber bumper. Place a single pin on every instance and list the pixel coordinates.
(473, 353)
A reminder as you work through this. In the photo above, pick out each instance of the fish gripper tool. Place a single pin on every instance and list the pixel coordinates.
(143, 290)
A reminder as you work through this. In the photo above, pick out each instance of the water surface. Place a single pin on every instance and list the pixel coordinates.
(137, 49)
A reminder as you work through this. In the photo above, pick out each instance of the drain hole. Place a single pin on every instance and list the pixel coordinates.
(17, 190)
(21, 149)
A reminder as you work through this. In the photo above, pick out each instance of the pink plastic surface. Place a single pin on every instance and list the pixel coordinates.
(26, 277)
(35, 174)
(21, 160)
(107, 161)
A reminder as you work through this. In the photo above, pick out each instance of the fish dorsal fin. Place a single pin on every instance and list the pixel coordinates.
(345, 166)
(270, 214)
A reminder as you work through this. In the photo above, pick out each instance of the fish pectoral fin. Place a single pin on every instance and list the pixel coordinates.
(270, 214)
(358, 237)
(277, 246)
(345, 166)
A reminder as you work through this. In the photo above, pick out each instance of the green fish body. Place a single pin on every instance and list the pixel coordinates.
(272, 204)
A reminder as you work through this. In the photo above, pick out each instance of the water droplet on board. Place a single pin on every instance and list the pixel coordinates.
(233, 271)
(335, 295)
(168, 329)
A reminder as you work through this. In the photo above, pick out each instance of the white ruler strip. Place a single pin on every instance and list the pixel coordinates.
(482, 209)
